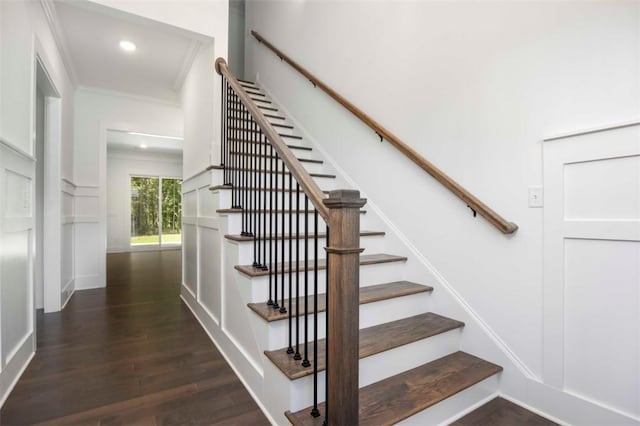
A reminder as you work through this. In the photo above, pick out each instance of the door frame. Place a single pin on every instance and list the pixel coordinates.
(52, 224)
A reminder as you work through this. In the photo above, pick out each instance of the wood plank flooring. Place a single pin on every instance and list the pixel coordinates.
(500, 412)
(131, 353)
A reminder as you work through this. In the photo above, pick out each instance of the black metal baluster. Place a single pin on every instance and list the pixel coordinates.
(272, 237)
(283, 309)
(314, 411)
(264, 206)
(274, 220)
(305, 361)
(243, 167)
(236, 158)
(234, 168)
(297, 355)
(290, 348)
(326, 322)
(253, 193)
(223, 120)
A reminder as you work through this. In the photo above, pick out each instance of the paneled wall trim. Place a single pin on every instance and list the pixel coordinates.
(80, 220)
(17, 170)
(592, 266)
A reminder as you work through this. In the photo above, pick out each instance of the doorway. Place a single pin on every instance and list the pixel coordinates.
(156, 212)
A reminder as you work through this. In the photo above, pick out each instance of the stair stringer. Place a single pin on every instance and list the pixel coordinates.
(478, 337)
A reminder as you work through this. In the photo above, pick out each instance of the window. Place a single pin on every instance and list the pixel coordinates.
(156, 211)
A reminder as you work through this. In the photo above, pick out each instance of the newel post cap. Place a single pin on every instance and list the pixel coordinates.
(220, 61)
(344, 198)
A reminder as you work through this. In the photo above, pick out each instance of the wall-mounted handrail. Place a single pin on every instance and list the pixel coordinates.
(308, 185)
(474, 203)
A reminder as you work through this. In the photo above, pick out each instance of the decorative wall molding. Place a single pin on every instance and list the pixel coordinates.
(591, 130)
(61, 42)
(189, 57)
(16, 150)
(139, 98)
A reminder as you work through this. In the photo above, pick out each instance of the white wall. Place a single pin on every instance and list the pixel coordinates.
(236, 37)
(25, 34)
(198, 100)
(96, 112)
(121, 165)
(474, 87)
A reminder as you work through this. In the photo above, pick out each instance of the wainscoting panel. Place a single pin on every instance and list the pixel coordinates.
(17, 170)
(592, 267)
(601, 313)
(210, 292)
(190, 251)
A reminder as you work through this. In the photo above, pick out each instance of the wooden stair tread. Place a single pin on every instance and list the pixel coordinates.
(500, 412)
(303, 148)
(369, 294)
(285, 126)
(244, 238)
(302, 160)
(260, 131)
(373, 340)
(398, 397)
(319, 175)
(252, 188)
(365, 259)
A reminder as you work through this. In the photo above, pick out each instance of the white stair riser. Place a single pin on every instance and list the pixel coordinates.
(369, 274)
(259, 163)
(325, 183)
(371, 244)
(370, 314)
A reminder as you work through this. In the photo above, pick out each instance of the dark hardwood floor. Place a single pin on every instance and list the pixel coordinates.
(500, 412)
(129, 354)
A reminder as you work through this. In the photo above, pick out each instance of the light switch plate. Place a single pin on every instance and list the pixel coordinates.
(535, 196)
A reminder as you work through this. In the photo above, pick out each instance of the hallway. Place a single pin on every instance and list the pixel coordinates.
(129, 354)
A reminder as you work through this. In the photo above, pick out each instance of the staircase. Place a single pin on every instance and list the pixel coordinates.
(410, 365)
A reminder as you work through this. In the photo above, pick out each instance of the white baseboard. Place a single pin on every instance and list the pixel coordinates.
(86, 282)
(16, 366)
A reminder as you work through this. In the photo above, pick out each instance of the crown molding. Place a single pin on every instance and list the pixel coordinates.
(187, 62)
(140, 98)
(49, 9)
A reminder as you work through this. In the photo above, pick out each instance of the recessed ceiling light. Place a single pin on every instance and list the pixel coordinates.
(127, 46)
(143, 146)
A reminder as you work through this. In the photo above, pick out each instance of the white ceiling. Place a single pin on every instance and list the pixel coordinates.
(125, 141)
(91, 35)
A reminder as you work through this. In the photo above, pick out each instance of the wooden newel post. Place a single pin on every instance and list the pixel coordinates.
(343, 255)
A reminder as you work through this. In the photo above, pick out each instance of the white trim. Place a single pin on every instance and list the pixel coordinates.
(68, 181)
(17, 150)
(208, 169)
(61, 42)
(12, 353)
(85, 219)
(603, 128)
(140, 98)
(187, 62)
(469, 409)
(14, 382)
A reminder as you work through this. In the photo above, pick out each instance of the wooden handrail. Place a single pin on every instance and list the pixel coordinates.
(306, 182)
(474, 203)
